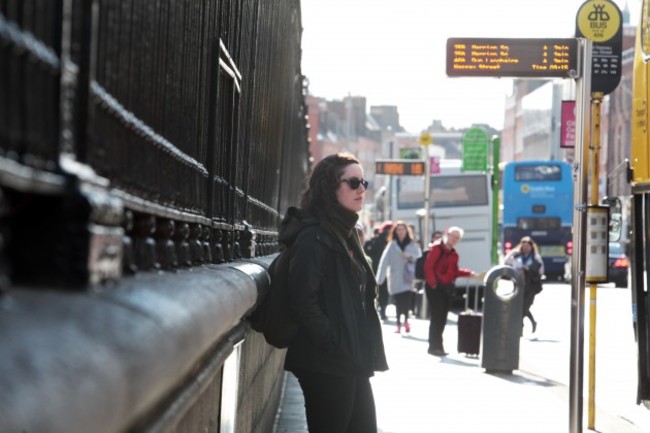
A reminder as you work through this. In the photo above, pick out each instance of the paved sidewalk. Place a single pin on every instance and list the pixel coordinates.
(423, 393)
(291, 415)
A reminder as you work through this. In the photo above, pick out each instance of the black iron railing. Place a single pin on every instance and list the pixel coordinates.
(179, 125)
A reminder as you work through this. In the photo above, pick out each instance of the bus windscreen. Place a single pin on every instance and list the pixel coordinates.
(446, 191)
(539, 172)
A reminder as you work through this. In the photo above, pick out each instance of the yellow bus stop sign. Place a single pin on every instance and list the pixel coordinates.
(599, 20)
(425, 139)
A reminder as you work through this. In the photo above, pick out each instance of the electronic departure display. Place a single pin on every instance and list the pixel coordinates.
(399, 167)
(496, 57)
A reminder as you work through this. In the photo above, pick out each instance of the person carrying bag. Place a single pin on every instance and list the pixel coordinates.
(441, 270)
(397, 266)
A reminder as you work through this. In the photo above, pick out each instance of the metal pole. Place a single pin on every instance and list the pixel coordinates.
(427, 197)
(496, 145)
(391, 186)
(597, 98)
(580, 168)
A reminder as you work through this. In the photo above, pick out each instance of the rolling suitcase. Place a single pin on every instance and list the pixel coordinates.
(469, 327)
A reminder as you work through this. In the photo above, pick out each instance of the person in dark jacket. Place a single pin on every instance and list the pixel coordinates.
(525, 258)
(440, 271)
(375, 248)
(332, 291)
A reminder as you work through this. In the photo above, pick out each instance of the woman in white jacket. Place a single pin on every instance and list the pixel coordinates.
(397, 266)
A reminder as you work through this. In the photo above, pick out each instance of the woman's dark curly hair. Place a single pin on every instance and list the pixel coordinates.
(324, 180)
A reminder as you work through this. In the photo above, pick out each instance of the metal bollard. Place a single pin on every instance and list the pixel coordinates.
(502, 319)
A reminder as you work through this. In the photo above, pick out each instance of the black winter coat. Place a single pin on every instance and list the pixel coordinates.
(337, 334)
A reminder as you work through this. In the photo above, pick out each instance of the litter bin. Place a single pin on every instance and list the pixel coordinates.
(421, 310)
(502, 319)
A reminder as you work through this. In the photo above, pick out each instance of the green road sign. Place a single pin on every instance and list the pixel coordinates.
(475, 150)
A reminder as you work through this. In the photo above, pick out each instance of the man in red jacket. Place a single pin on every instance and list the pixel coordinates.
(440, 272)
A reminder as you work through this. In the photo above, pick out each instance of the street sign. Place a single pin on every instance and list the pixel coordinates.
(568, 124)
(434, 165)
(600, 21)
(503, 57)
(425, 139)
(475, 150)
(399, 167)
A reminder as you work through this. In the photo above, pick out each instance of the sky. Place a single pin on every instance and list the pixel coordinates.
(393, 52)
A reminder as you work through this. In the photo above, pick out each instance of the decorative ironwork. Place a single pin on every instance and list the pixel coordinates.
(185, 118)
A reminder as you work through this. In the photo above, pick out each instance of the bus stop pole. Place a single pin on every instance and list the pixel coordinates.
(579, 237)
(594, 149)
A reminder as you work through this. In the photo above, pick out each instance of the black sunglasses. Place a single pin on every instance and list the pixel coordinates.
(355, 183)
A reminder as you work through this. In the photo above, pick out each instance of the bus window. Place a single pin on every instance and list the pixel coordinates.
(645, 28)
(446, 191)
(615, 218)
(539, 223)
(539, 172)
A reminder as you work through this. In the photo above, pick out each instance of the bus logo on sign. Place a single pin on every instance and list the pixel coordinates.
(600, 21)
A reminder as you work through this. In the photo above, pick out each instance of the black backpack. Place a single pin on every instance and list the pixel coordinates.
(272, 317)
(420, 261)
(419, 265)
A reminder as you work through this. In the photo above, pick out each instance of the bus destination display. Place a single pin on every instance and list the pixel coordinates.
(484, 57)
(399, 167)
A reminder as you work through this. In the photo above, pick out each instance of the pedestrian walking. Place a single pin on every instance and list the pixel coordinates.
(441, 270)
(419, 275)
(436, 237)
(332, 291)
(525, 257)
(397, 267)
(375, 248)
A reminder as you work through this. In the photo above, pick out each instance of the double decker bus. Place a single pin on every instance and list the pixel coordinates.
(538, 202)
